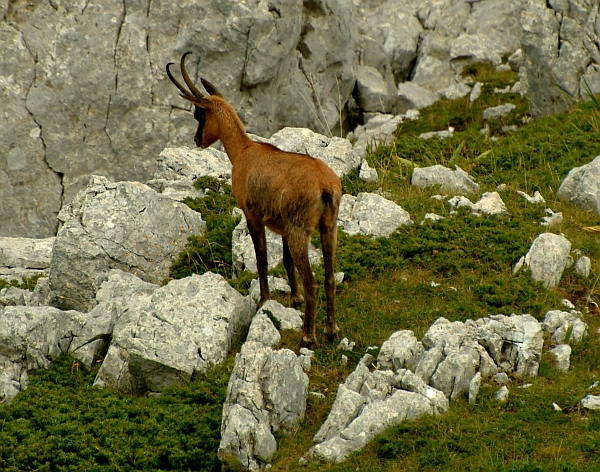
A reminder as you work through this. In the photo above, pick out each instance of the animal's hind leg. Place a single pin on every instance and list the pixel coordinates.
(328, 244)
(298, 245)
(259, 239)
(288, 262)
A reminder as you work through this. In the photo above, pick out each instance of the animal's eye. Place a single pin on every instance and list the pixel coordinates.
(200, 115)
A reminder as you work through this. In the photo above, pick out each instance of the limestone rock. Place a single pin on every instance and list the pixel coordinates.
(547, 258)
(370, 214)
(267, 392)
(114, 225)
(581, 186)
(558, 323)
(161, 336)
(399, 351)
(490, 203)
(591, 402)
(455, 181)
(583, 266)
(337, 153)
(498, 112)
(562, 354)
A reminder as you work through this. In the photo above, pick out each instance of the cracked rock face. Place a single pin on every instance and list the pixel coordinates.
(162, 335)
(114, 226)
(266, 393)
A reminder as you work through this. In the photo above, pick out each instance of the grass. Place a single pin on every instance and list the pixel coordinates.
(387, 287)
(28, 283)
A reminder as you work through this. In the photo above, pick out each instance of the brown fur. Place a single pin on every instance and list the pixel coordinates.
(292, 194)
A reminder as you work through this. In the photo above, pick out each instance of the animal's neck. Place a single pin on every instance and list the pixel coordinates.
(232, 133)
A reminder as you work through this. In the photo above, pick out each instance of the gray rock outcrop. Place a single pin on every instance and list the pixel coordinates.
(371, 214)
(162, 335)
(124, 225)
(24, 257)
(548, 257)
(581, 186)
(267, 392)
(369, 402)
(455, 181)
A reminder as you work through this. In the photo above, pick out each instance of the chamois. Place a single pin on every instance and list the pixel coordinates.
(290, 193)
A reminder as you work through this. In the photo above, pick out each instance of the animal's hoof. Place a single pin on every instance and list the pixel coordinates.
(307, 343)
(296, 301)
(331, 337)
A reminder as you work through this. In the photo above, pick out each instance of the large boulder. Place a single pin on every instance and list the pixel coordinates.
(162, 335)
(124, 225)
(548, 257)
(371, 214)
(267, 393)
(581, 186)
(455, 181)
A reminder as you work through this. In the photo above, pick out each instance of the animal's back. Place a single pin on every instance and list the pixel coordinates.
(289, 189)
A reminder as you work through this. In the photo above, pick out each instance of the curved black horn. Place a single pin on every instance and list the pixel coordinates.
(185, 93)
(210, 88)
(187, 79)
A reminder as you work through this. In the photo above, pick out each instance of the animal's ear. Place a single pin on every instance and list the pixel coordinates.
(210, 88)
(202, 102)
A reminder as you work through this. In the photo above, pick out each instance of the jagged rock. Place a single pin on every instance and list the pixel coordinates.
(346, 345)
(162, 335)
(537, 197)
(177, 168)
(367, 174)
(591, 402)
(475, 92)
(455, 181)
(380, 129)
(558, 323)
(31, 337)
(288, 318)
(114, 225)
(399, 351)
(562, 354)
(370, 214)
(26, 253)
(413, 97)
(581, 186)
(490, 203)
(267, 392)
(548, 257)
(474, 386)
(502, 394)
(455, 91)
(13, 296)
(388, 399)
(498, 112)
(244, 256)
(263, 331)
(552, 218)
(337, 153)
(583, 266)
(443, 134)
(372, 91)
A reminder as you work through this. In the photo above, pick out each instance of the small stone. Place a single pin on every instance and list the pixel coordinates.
(556, 407)
(346, 345)
(583, 266)
(591, 402)
(344, 359)
(502, 394)
(501, 378)
(567, 303)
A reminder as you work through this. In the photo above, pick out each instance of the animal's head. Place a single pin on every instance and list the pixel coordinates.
(208, 127)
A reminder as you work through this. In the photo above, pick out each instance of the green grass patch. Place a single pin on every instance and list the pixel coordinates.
(29, 283)
(63, 423)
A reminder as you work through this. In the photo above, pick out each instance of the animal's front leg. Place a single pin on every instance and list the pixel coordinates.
(259, 239)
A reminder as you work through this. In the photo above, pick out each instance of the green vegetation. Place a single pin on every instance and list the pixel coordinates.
(61, 423)
(28, 283)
